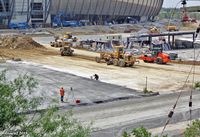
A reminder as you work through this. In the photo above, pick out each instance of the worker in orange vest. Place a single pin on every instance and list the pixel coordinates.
(62, 93)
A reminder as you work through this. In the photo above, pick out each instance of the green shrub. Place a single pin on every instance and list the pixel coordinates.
(193, 130)
(197, 85)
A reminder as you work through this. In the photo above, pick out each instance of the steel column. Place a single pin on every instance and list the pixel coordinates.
(109, 7)
(82, 5)
(3, 6)
(58, 8)
(136, 7)
(126, 7)
(114, 8)
(22, 7)
(47, 10)
(155, 10)
(145, 5)
(129, 13)
(103, 7)
(96, 7)
(74, 7)
(66, 8)
(150, 8)
(119, 10)
(89, 9)
(161, 3)
(11, 8)
(140, 8)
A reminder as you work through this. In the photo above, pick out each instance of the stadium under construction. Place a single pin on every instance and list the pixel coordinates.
(43, 12)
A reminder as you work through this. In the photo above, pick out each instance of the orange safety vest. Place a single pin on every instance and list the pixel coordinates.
(62, 92)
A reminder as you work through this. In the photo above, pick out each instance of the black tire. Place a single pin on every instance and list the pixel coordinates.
(159, 61)
(146, 61)
(122, 63)
(97, 59)
(115, 62)
(109, 62)
(61, 54)
(131, 65)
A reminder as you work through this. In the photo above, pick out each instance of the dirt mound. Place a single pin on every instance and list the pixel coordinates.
(19, 42)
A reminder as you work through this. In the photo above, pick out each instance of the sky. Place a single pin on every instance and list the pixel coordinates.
(173, 3)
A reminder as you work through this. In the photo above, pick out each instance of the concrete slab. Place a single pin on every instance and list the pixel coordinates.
(87, 90)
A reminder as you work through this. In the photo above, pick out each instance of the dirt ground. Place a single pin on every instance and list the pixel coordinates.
(160, 78)
(164, 79)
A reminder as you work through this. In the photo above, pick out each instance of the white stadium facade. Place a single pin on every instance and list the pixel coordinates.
(42, 11)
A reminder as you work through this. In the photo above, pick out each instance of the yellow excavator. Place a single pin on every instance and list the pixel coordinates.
(117, 58)
(171, 28)
(154, 30)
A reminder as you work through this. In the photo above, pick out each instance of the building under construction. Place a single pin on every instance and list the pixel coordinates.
(40, 12)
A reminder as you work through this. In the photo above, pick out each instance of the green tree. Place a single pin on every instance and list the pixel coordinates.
(193, 130)
(16, 101)
(139, 132)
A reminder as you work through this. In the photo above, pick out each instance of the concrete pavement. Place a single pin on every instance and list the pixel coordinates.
(111, 108)
(111, 119)
(87, 90)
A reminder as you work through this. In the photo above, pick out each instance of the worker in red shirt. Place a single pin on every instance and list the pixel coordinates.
(62, 93)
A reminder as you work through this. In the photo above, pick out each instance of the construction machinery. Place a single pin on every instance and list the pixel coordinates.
(60, 43)
(68, 35)
(154, 30)
(156, 55)
(186, 18)
(66, 40)
(171, 28)
(117, 58)
(66, 51)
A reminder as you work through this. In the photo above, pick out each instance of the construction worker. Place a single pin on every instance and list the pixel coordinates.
(62, 93)
(198, 31)
(96, 77)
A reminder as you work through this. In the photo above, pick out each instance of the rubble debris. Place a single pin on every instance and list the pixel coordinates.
(19, 42)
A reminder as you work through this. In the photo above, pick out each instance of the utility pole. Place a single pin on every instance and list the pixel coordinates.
(146, 82)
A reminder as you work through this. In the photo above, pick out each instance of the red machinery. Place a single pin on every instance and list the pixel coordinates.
(156, 55)
(185, 17)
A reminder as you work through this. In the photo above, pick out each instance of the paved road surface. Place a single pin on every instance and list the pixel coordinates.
(111, 118)
(87, 90)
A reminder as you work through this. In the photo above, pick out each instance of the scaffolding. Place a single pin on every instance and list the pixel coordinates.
(34, 12)
(6, 11)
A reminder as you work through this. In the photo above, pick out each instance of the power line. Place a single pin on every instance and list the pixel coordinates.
(192, 70)
(170, 115)
(193, 83)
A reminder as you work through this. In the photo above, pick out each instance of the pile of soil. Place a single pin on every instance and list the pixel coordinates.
(19, 42)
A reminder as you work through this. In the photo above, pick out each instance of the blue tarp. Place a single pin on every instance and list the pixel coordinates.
(70, 23)
(61, 20)
(19, 25)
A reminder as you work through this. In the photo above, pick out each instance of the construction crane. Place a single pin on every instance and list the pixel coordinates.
(185, 17)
